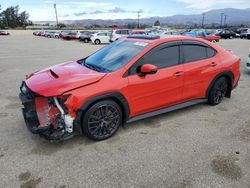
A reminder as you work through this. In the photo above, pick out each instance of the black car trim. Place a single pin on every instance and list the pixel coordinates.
(228, 74)
(112, 95)
(29, 113)
(167, 109)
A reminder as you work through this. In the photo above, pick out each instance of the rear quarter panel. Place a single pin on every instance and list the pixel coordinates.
(231, 63)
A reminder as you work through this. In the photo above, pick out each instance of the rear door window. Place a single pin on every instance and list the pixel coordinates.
(196, 51)
(124, 32)
(118, 32)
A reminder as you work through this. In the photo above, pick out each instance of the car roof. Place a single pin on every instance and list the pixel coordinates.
(166, 39)
(120, 29)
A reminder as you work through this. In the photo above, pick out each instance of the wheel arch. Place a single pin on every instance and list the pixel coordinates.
(98, 41)
(115, 96)
(229, 76)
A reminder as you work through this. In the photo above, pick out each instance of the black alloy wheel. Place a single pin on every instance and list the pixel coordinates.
(102, 120)
(218, 91)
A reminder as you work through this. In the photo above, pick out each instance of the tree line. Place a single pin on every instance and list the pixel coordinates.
(11, 17)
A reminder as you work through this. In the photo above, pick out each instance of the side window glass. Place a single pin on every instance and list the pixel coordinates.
(162, 57)
(124, 32)
(194, 53)
(210, 52)
(165, 57)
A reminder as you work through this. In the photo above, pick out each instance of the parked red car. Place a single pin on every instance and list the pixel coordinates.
(138, 32)
(69, 35)
(212, 38)
(37, 33)
(202, 34)
(131, 79)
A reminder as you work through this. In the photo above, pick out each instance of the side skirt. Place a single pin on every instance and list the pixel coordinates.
(168, 109)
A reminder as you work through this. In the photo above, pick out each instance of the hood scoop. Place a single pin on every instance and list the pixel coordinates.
(53, 74)
(56, 80)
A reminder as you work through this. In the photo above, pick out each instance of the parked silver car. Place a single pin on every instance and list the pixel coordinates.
(248, 62)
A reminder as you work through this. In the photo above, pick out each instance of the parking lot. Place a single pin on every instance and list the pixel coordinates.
(200, 146)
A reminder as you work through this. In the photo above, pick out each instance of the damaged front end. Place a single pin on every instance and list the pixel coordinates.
(47, 116)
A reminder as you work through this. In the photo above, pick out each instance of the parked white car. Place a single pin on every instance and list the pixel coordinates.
(118, 33)
(55, 34)
(100, 37)
(248, 62)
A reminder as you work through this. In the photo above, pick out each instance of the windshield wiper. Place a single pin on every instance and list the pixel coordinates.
(94, 67)
(91, 66)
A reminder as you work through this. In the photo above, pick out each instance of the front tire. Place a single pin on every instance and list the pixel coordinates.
(97, 41)
(102, 120)
(218, 91)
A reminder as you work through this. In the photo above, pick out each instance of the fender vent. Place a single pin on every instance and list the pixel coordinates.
(54, 74)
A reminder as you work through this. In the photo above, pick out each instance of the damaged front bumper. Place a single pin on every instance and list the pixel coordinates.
(44, 117)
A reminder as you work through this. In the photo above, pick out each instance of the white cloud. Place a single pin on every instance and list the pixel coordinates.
(75, 10)
(209, 4)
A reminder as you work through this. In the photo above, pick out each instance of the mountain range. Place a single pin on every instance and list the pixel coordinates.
(233, 17)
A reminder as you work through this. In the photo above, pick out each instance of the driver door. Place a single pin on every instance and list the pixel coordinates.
(164, 88)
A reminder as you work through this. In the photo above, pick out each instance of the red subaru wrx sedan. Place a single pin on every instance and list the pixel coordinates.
(131, 79)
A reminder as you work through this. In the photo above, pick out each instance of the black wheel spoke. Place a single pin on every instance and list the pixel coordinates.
(97, 128)
(106, 110)
(93, 122)
(94, 117)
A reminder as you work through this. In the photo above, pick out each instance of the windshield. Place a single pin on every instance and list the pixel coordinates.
(114, 56)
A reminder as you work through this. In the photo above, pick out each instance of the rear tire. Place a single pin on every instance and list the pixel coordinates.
(102, 120)
(85, 40)
(218, 91)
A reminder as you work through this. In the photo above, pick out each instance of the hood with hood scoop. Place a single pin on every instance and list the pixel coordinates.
(61, 78)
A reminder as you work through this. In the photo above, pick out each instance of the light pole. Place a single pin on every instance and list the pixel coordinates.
(203, 19)
(221, 19)
(56, 15)
(225, 19)
(138, 22)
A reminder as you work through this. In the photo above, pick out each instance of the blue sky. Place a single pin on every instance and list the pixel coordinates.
(41, 10)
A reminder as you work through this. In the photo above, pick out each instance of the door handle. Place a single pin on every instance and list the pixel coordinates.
(178, 74)
(213, 64)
